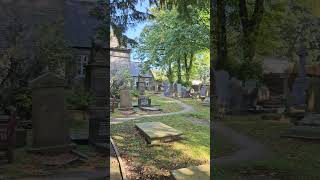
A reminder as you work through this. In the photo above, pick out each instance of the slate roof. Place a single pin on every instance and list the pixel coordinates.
(135, 70)
(80, 26)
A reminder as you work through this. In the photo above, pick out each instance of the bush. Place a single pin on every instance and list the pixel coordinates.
(135, 93)
(79, 99)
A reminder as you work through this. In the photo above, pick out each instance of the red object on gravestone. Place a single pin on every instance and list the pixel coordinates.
(7, 136)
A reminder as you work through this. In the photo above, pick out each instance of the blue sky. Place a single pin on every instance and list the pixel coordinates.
(135, 31)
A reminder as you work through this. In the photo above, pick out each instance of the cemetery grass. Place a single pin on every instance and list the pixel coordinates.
(222, 147)
(292, 158)
(166, 105)
(147, 161)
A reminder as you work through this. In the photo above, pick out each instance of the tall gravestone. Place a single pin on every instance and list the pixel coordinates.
(125, 99)
(179, 86)
(237, 96)
(298, 94)
(223, 87)
(143, 100)
(97, 82)
(49, 118)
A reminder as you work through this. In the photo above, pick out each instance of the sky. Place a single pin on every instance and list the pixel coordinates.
(134, 32)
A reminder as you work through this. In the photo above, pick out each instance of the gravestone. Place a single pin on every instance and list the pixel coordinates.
(179, 90)
(156, 132)
(143, 101)
(203, 91)
(222, 87)
(206, 101)
(125, 99)
(237, 96)
(251, 93)
(313, 96)
(49, 119)
(184, 92)
(166, 89)
(97, 83)
(201, 172)
(298, 96)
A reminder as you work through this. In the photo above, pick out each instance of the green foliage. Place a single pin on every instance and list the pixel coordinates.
(120, 79)
(51, 49)
(172, 42)
(134, 92)
(23, 102)
(79, 99)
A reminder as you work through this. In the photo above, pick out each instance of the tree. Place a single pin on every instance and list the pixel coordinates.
(173, 41)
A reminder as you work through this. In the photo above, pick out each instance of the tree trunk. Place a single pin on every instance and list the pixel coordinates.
(188, 66)
(221, 34)
(250, 27)
(179, 71)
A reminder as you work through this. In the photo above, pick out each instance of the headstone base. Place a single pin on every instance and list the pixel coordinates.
(144, 101)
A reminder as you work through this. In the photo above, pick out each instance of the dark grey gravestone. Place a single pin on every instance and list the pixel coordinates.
(49, 119)
(144, 101)
(166, 89)
(250, 85)
(141, 87)
(222, 87)
(183, 92)
(179, 90)
(97, 73)
(203, 91)
(237, 92)
(298, 94)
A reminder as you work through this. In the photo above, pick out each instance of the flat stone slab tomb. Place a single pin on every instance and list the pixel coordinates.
(190, 173)
(157, 132)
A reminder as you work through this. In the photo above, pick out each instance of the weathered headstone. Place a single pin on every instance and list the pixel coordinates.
(125, 99)
(313, 96)
(179, 90)
(97, 82)
(143, 101)
(166, 89)
(203, 91)
(222, 87)
(183, 92)
(251, 92)
(49, 115)
(237, 95)
(156, 132)
(298, 94)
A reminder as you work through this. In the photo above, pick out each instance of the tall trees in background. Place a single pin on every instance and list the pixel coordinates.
(172, 42)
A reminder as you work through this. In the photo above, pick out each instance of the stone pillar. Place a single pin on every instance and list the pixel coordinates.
(49, 120)
(97, 82)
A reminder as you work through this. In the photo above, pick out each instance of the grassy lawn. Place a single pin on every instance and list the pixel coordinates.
(150, 162)
(293, 159)
(166, 105)
(157, 161)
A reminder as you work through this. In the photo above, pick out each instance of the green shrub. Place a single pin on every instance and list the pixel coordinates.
(79, 99)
